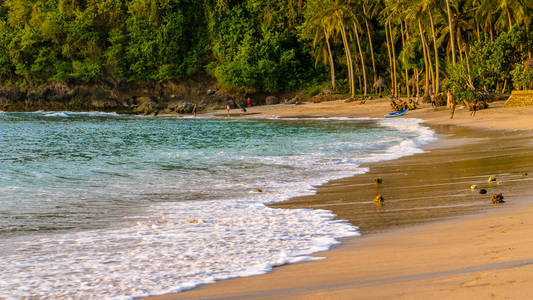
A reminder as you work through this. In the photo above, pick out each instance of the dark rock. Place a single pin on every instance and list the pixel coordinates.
(378, 180)
(146, 106)
(524, 174)
(271, 100)
(185, 108)
(295, 100)
(104, 104)
(482, 191)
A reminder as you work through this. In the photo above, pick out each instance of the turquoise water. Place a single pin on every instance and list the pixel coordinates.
(78, 184)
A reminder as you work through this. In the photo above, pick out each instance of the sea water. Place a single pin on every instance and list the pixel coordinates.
(96, 205)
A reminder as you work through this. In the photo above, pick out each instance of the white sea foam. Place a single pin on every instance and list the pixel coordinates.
(200, 242)
(66, 114)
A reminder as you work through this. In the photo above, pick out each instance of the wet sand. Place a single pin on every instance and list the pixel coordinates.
(433, 237)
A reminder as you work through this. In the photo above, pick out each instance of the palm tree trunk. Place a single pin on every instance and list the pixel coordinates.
(371, 47)
(330, 58)
(504, 85)
(417, 86)
(467, 64)
(451, 30)
(477, 30)
(393, 61)
(425, 57)
(509, 19)
(390, 56)
(459, 46)
(361, 55)
(406, 71)
(437, 82)
(348, 60)
(431, 74)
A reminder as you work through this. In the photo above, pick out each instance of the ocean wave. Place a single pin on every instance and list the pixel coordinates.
(67, 114)
(175, 246)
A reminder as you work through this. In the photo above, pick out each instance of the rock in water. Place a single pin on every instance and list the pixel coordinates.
(497, 198)
(378, 201)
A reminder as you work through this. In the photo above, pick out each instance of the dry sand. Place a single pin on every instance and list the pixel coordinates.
(458, 255)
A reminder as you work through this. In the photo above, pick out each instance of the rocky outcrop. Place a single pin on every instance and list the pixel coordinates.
(169, 97)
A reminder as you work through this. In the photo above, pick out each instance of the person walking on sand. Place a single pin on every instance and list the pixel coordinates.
(451, 101)
(474, 108)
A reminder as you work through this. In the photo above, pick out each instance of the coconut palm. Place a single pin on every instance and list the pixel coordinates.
(318, 25)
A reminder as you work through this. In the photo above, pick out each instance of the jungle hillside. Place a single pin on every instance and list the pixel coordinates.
(140, 54)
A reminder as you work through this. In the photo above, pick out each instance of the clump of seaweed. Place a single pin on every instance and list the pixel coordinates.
(497, 198)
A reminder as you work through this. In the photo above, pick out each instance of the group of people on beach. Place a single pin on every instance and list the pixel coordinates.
(248, 104)
(452, 103)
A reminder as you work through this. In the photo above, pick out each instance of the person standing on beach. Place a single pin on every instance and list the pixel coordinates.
(227, 110)
(474, 108)
(194, 110)
(451, 101)
(249, 102)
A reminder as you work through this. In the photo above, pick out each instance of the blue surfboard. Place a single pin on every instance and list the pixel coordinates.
(396, 113)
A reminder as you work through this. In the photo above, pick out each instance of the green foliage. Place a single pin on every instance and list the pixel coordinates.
(255, 47)
(522, 77)
(493, 61)
(459, 84)
(259, 45)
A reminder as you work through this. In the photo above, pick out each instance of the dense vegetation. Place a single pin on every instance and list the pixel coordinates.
(409, 46)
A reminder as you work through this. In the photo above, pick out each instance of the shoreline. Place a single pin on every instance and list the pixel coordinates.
(227, 287)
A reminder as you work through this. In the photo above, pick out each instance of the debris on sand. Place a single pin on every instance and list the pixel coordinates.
(378, 180)
(473, 187)
(497, 198)
(378, 201)
(483, 191)
(492, 179)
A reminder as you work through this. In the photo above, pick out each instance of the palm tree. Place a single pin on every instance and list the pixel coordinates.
(360, 54)
(451, 30)
(437, 82)
(318, 25)
(365, 17)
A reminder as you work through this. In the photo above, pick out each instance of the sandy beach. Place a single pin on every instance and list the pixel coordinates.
(433, 237)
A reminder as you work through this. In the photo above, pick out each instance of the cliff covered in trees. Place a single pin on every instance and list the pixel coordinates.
(151, 55)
